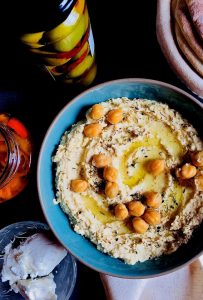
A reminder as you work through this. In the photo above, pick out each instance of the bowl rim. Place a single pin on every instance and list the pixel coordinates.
(55, 120)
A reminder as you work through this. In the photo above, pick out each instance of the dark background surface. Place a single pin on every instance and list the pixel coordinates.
(126, 46)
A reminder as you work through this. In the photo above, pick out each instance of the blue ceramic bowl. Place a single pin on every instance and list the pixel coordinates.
(80, 247)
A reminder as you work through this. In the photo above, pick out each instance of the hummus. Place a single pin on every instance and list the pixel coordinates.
(149, 130)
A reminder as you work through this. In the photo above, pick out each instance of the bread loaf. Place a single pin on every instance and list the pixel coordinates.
(195, 8)
(188, 30)
(188, 52)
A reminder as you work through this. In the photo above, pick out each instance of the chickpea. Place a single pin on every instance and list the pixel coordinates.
(78, 185)
(92, 130)
(156, 166)
(110, 174)
(115, 116)
(139, 225)
(97, 112)
(188, 171)
(153, 199)
(152, 217)
(199, 182)
(136, 208)
(121, 211)
(197, 158)
(101, 160)
(111, 189)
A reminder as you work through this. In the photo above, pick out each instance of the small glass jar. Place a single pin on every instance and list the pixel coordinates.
(59, 35)
(15, 156)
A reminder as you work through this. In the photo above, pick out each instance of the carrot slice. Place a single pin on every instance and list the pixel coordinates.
(5, 194)
(13, 188)
(25, 145)
(3, 158)
(3, 147)
(24, 165)
(4, 118)
(18, 127)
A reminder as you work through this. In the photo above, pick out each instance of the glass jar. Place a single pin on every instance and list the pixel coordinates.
(15, 156)
(59, 35)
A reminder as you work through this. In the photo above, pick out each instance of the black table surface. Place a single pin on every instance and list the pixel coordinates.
(126, 46)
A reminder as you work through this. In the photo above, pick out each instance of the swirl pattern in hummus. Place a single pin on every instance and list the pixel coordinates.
(149, 130)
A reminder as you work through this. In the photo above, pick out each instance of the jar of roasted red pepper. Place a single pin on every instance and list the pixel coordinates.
(15, 156)
(59, 35)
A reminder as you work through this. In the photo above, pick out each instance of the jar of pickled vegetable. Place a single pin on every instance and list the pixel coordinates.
(58, 33)
(15, 156)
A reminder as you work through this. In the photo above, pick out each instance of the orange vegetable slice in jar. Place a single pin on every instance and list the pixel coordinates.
(3, 149)
(18, 127)
(25, 152)
(5, 194)
(4, 117)
(3, 155)
(24, 165)
(14, 187)
(25, 145)
(3, 146)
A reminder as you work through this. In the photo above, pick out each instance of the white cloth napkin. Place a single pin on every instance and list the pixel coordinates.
(184, 284)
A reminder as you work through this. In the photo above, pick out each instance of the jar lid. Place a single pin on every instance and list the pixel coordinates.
(41, 15)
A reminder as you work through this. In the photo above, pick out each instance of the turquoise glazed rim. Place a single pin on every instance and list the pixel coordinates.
(79, 246)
